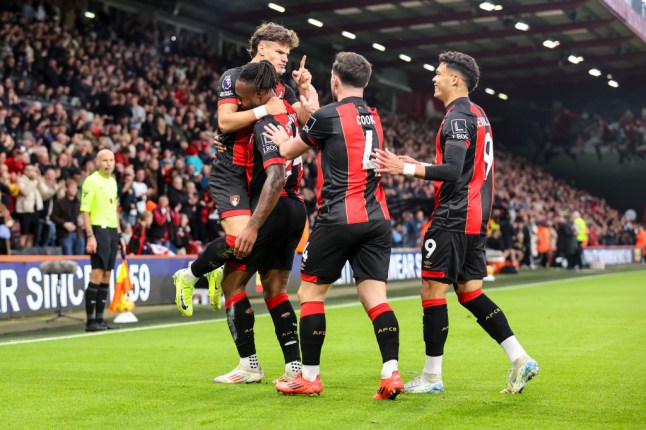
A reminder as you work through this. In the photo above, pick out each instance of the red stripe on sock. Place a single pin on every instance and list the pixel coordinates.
(275, 301)
(467, 297)
(309, 278)
(235, 299)
(433, 302)
(312, 308)
(378, 310)
(432, 274)
(231, 240)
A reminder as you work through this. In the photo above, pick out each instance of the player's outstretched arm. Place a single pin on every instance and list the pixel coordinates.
(268, 198)
(230, 119)
(289, 148)
(449, 171)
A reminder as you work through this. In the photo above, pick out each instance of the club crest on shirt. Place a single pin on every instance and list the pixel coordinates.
(226, 84)
(234, 200)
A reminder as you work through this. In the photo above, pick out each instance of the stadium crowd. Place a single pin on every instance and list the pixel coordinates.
(71, 85)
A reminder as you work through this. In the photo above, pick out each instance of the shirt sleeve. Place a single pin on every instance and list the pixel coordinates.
(87, 195)
(267, 149)
(290, 95)
(227, 86)
(318, 128)
(459, 129)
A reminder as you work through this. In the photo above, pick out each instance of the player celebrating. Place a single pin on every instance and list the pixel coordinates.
(275, 229)
(454, 245)
(228, 181)
(353, 223)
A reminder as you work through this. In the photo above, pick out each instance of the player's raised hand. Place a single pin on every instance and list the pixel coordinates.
(278, 135)
(303, 78)
(310, 104)
(389, 162)
(275, 106)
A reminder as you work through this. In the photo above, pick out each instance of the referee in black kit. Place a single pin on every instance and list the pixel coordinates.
(99, 206)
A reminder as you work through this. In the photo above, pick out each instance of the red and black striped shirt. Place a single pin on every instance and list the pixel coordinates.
(465, 205)
(263, 153)
(236, 143)
(348, 189)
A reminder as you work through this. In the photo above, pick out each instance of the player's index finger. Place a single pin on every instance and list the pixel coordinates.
(303, 62)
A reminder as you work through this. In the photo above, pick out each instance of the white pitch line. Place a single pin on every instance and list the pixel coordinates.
(340, 306)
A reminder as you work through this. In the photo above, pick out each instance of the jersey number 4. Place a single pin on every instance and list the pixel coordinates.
(368, 164)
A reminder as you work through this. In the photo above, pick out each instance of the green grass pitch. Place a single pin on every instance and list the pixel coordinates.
(587, 334)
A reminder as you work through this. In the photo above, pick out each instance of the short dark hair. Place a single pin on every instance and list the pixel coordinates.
(272, 32)
(262, 74)
(353, 69)
(463, 64)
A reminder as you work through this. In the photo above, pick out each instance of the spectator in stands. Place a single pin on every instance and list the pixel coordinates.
(6, 223)
(413, 229)
(28, 203)
(49, 191)
(177, 194)
(165, 223)
(138, 242)
(69, 225)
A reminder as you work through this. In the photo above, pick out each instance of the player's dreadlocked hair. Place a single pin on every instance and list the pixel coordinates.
(353, 69)
(272, 32)
(465, 65)
(262, 75)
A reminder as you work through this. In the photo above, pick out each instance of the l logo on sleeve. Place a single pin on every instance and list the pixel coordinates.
(459, 128)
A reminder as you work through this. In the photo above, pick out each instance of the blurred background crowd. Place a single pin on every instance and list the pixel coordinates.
(70, 86)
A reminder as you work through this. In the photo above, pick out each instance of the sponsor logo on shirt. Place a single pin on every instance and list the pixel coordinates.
(267, 145)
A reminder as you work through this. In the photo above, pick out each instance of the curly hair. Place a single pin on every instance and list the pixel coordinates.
(353, 69)
(272, 32)
(463, 64)
(262, 75)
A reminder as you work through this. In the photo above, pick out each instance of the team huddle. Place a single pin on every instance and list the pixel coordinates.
(263, 130)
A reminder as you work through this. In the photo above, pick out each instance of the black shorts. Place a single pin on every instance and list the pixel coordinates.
(29, 223)
(107, 244)
(453, 257)
(228, 187)
(277, 238)
(366, 246)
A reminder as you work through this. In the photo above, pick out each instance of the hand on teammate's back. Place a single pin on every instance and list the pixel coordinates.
(278, 135)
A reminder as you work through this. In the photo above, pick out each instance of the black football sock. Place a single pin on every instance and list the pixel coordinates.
(489, 315)
(91, 294)
(214, 256)
(282, 313)
(312, 332)
(241, 320)
(101, 298)
(386, 328)
(436, 326)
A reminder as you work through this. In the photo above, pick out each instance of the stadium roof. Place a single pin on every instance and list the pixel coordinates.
(518, 43)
